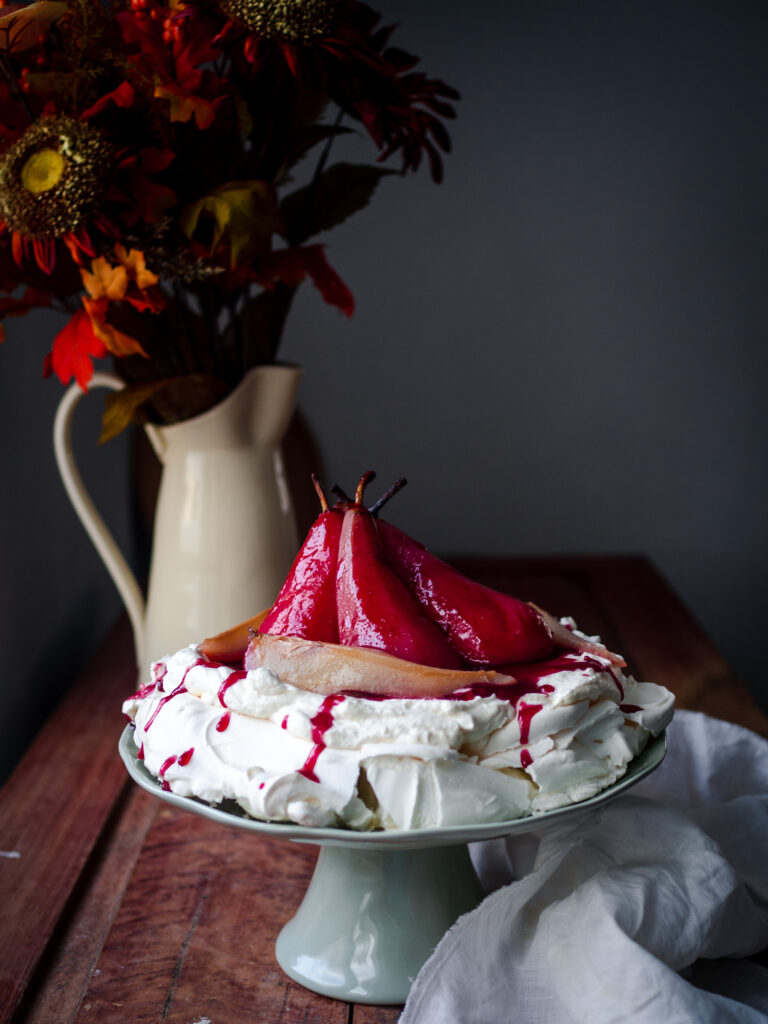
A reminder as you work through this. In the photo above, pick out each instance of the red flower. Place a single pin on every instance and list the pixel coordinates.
(64, 180)
(179, 69)
(48, 180)
(401, 108)
(372, 82)
(147, 166)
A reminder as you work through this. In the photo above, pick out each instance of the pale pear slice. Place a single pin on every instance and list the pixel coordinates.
(563, 637)
(229, 647)
(331, 668)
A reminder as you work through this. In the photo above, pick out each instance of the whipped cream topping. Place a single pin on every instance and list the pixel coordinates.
(566, 730)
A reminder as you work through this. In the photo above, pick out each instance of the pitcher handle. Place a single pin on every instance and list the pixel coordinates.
(102, 539)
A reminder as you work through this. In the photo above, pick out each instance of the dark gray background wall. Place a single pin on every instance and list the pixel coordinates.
(563, 346)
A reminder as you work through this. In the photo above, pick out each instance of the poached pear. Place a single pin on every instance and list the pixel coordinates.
(306, 604)
(375, 607)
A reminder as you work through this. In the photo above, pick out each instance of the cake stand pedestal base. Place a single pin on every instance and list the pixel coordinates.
(371, 917)
(379, 902)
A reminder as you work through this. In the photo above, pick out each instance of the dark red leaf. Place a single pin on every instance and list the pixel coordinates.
(122, 96)
(326, 280)
(291, 266)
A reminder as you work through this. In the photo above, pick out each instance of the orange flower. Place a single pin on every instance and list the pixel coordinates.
(116, 342)
(89, 334)
(105, 281)
(136, 265)
(130, 280)
(183, 106)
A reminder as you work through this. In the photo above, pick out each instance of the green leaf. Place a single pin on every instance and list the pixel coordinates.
(245, 213)
(121, 408)
(168, 400)
(338, 193)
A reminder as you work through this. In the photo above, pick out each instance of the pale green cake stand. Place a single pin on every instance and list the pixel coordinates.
(378, 902)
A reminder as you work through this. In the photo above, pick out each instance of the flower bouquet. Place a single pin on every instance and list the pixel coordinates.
(165, 172)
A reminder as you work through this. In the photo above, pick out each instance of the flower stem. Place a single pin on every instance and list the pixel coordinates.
(299, 234)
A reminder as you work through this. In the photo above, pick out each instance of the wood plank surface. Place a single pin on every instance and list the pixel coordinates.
(376, 1014)
(120, 908)
(57, 988)
(669, 646)
(53, 809)
(217, 899)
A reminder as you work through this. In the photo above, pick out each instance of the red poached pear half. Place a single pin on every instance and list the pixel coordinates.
(365, 607)
(485, 626)
(306, 604)
(375, 608)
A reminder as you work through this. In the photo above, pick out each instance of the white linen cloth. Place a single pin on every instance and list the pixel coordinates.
(612, 909)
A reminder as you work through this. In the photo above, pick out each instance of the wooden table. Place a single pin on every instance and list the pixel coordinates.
(117, 908)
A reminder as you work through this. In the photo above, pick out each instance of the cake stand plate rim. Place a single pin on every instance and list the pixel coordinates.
(396, 839)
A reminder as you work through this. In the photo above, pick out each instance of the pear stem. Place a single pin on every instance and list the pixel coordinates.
(320, 493)
(365, 479)
(398, 485)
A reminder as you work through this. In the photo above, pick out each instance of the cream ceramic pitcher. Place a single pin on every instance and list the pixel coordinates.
(225, 532)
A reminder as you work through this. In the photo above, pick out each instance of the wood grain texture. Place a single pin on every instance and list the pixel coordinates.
(376, 1014)
(216, 899)
(668, 646)
(61, 979)
(53, 809)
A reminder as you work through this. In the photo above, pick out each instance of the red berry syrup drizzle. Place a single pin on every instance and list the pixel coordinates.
(321, 723)
(139, 695)
(504, 691)
(566, 662)
(527, 681)
(158, 674)
(181, 759)
(144, 691)
(525, 713)
(181, 688)
(528, 678)
(231, 679)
